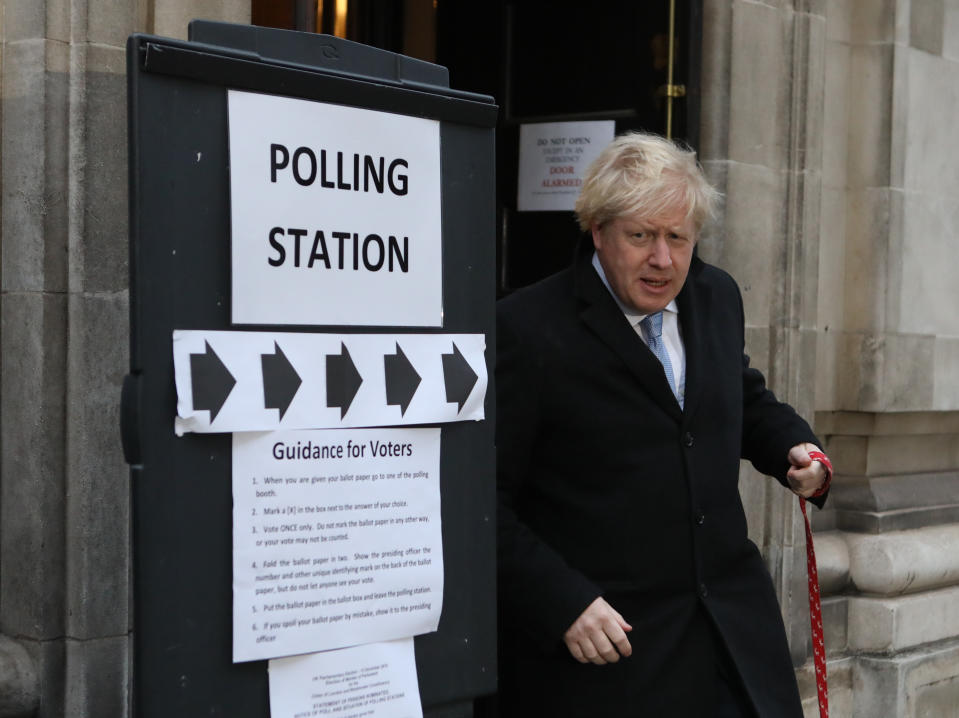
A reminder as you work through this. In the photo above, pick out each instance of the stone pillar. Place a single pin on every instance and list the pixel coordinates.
(19, 688)
(830, 126)
(64, 488)
(893, 333)
(64, 533)
(170, 18)
(888, 364)
(761, 144)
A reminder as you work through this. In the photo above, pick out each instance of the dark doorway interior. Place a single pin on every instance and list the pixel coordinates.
(566, 61)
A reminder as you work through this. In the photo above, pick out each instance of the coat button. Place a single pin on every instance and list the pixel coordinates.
(688, 439)
(700, 518)
(702, 590)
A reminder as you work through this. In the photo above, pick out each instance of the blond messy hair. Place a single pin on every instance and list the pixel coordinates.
(642, 173)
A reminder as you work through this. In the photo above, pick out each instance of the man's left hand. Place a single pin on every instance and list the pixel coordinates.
(806, 476)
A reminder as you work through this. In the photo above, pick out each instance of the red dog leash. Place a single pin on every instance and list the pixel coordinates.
(815, 606)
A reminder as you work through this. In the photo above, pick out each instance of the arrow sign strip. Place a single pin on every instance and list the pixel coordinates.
(318, 381)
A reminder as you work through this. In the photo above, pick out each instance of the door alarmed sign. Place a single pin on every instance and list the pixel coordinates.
(251, 381)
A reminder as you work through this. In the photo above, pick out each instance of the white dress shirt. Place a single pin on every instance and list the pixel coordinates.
(672, 336)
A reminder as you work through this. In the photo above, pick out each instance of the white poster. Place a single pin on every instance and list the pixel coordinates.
(553, 157)
(257, 381)
(336, 539)
(377, 680)
(335, 214)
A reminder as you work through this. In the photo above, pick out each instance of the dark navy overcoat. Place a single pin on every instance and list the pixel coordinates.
(607, 487)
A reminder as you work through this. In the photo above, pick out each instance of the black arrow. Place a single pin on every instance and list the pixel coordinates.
(401, 379)
(459, 376)
(212, 381)
(342, 380)
(280, 381)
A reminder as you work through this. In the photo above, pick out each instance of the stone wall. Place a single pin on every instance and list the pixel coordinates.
(890, 338)
(888, 368)
(64, 496)
(831, 127)
(761, 143)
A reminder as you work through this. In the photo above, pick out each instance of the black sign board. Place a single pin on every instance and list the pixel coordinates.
(180, 278)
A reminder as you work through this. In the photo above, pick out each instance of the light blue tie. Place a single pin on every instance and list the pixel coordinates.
(652, 326)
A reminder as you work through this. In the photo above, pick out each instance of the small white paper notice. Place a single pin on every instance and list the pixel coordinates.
(259, 381)
(553, 157)
(377, 680)
(336, 539)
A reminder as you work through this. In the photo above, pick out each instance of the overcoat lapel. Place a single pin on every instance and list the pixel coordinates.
(604, 317)
(693, 296)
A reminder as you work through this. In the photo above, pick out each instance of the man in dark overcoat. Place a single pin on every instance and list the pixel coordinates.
(628, 586)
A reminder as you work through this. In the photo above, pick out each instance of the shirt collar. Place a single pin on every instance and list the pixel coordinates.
(633, 316)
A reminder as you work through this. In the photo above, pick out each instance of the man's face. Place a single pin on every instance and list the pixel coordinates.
(646, 260)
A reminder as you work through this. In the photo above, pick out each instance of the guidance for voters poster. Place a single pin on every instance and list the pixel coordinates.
(336, 539)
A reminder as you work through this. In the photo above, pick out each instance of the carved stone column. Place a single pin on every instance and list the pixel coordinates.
(64, 487)
(763, 83)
